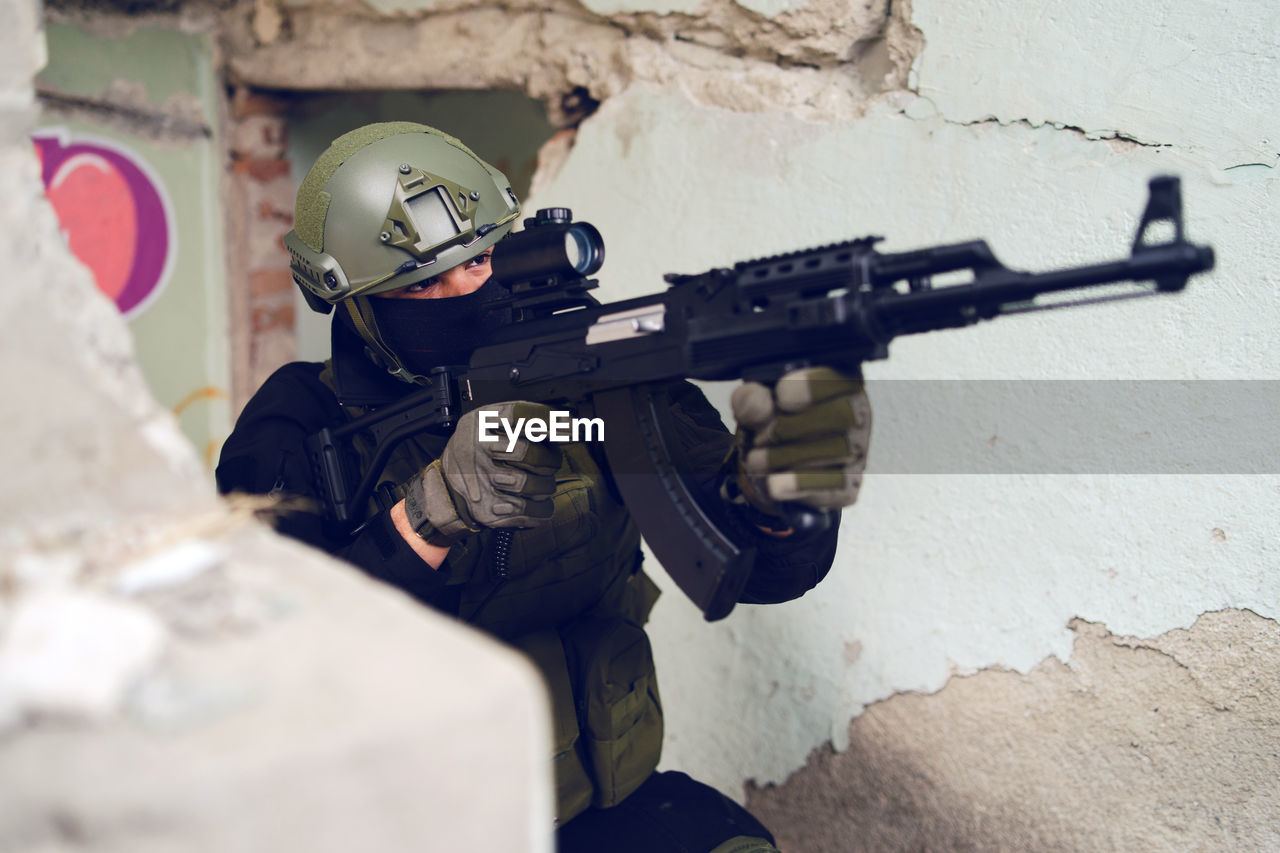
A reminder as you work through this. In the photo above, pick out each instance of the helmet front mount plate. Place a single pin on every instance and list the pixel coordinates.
(429, 213)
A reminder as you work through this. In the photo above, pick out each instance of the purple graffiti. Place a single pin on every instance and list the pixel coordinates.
(114, 213)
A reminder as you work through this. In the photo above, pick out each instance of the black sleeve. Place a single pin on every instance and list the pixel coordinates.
(266, 454)
(785, 568)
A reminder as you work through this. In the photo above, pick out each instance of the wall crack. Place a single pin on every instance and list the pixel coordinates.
(1109, 136)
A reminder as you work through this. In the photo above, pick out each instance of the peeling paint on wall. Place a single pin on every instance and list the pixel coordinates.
(736, 130)
(822, 59)
(1167, 743)
(947, 574)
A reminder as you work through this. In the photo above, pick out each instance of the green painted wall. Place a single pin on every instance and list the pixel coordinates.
(153, 95)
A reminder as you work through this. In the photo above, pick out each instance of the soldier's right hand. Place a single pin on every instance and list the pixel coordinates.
(477, 484)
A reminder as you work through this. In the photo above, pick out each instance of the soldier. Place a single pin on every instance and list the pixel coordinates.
(394, 227)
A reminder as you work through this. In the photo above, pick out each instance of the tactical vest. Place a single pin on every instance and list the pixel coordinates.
(571, 595)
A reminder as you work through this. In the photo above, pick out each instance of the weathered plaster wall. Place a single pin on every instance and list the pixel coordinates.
(1127, 71)
(173, 676)
(952, 573)
(1160, 744)
(946, 575)
(730, 131)
(821, 59)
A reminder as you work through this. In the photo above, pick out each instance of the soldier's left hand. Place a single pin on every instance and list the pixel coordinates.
(804, 441)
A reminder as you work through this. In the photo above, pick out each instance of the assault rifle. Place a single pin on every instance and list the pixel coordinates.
(837, 305)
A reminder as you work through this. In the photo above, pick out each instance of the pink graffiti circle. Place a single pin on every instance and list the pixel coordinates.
(115, 214)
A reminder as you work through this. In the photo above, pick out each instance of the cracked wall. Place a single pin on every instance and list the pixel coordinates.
(731, 131)
(822, 59)
(943, 574)
(1161, 744)
(726, 131)
(1131, 73)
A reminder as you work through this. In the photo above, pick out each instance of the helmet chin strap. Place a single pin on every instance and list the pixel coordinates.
(361, 314)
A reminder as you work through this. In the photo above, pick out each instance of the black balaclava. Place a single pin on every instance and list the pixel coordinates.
(427, 333)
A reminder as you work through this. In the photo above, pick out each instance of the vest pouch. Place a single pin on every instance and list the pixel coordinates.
(573, 784)
(619, 709)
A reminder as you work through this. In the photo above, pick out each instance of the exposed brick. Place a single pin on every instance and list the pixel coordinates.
(262, 137)
(275, 134)
(246, 103)
(266, 318)
(267, 282)
(269, 350)
(269, 211)
(260, 169)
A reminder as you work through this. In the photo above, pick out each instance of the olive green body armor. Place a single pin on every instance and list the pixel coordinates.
(571, 595)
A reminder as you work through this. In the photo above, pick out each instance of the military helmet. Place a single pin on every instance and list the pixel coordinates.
(389, 205)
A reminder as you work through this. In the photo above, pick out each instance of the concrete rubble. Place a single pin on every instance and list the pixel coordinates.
(172, 674)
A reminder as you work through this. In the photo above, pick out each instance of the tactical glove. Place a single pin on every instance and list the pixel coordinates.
(476, 484)
(804, 441)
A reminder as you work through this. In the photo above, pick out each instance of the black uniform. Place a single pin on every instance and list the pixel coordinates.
(265, 453)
